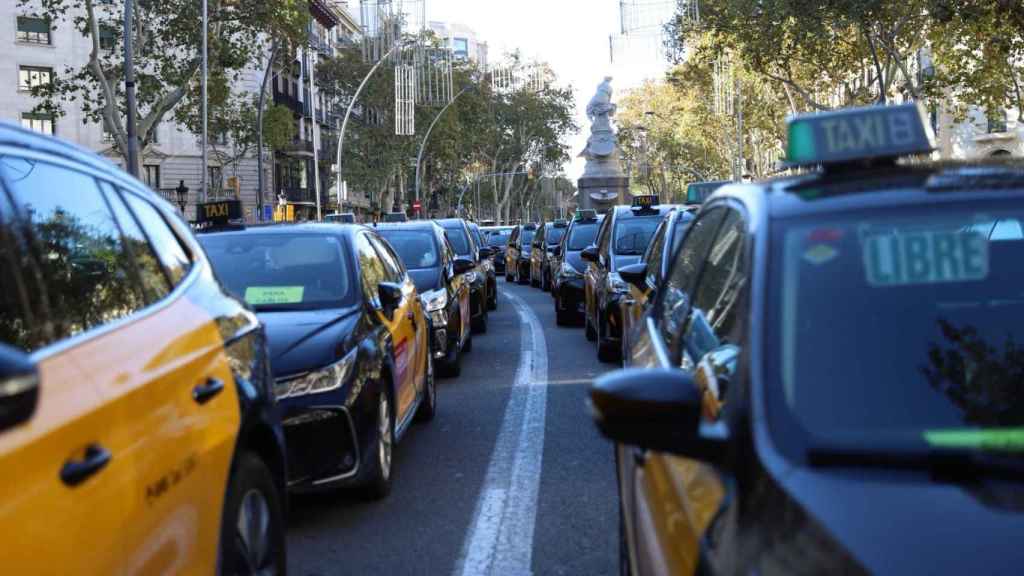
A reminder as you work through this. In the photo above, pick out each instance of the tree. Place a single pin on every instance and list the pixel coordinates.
(167, 55)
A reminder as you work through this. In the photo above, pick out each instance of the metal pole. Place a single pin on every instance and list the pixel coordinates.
(739, 130)
(259, 132)
(203, 177)
(423, 144)
(348, 112)
(129, 85)
(313, 131)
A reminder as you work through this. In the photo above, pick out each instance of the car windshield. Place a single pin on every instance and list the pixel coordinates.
(283, 271)
(476, 236)
(459, 240)
(498, 237)
(526, 238)
(416, 248)
(554, 235)
(901, 326)
(583, 234)
(633, 234)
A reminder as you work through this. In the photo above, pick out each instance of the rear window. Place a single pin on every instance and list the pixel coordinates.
(283, 272)
(417, 249)
(583, 235)
(498, 237)
(526, 237)
(459, 240)
(554, 235)
(633, 234)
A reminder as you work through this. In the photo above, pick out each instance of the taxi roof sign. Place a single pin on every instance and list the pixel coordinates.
(645, 201)
(853, 134)
(586, 214)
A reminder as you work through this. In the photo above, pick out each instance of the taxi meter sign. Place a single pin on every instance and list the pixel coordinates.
(859, 134)
(909, 257)
(645, 201)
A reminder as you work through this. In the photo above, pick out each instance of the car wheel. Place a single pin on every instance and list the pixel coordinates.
(492, 304)
(451, 366)
(588, 329)
(428, 406)
(480, 322)
(252, 539)
(605, 349)
(378, 458)
(468, 346)
(533, 281)
(561, 316)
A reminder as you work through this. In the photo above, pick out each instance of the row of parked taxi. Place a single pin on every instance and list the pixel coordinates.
(164, 387)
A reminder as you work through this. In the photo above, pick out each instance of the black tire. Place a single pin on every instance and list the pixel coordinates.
(451, 366)
(606, 351)
(533, 281)
(428, 406)
(377, 465)
(252, 492)
(492, 303)
(562, 317)
(588, 329)
(480, 322)
(468, 346)
(519, 277)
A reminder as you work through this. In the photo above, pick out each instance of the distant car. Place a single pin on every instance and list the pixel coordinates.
(698, 192)
(486, 266)
(624, 235)
(645, 277)
(567, 287)
(542, 252)
(396, 217)
(497, 238)
(440, 279)
(465, 246)
(343, 218)
(517, 257)
(349, 341)
(138, 429)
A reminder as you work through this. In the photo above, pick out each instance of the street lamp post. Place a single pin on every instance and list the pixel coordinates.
(423, 144)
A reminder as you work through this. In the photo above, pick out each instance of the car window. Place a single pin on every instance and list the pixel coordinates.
(554, 235)
(716, 298)
(459, 240)
(86, 273)
(674, 298)
(283, 271)
(633, 234)
(499, 237)
(682, 225)
(416, 248)
(371, 268)
(392, 267)
(538, 238)
(168, 247)
(604, 235)
(154, 279)
(582, 235)
(23, 315)
(526, 238)
(654, 253)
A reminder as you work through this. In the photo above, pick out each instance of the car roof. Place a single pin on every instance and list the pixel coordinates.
(451, 222)
(410, 225)
(827, 193)
(630, 212)
(284, 229)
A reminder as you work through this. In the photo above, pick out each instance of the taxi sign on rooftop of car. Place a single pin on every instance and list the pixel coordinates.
(855, 134)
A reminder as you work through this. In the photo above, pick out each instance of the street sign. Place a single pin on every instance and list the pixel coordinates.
(416, 206)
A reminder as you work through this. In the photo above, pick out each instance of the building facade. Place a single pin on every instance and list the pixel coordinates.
(463, 41)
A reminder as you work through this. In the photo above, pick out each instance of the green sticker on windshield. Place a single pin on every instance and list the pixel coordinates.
(995, 439)
(263, 295)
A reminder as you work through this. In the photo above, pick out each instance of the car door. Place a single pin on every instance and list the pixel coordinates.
(634, 305)
(462, 290)
(591, 278)
(604, 264)
(175, 399)
(675, 499)
(412, 310)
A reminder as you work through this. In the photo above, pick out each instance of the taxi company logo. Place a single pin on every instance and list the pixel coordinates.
(219, 210)
(868, 132)
(820, 254)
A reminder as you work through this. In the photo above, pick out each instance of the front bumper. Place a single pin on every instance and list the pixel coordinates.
(499, 263)
(571, 294)
(323, 444)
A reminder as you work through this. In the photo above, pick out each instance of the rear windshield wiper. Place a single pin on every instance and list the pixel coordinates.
(943, 464)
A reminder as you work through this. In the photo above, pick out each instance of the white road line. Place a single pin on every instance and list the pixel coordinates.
(500, 539)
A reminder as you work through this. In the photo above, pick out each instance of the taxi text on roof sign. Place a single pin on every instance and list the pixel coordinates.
(645, 201)
(859, 134)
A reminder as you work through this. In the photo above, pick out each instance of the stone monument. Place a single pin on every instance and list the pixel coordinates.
(603, 184)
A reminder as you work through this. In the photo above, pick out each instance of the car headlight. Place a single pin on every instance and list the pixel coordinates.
(616, 283)
(472, 277)
(323, 380)
(568, 270)
(435, 300)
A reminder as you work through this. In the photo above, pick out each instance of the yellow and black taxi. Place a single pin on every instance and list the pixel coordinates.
(644, 277)
(545, 241)
(440, 278)
(567, 286)
(828, 381)
(138, 429)
(349, 343)
(485, 265)
(622, 240)
(517, 255)
(464, 243)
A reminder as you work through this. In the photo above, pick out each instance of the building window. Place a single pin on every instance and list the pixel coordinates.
(997, 120)
(31, 76)
(33, 30)
(215, 179)
(460, 48)
(108, 38)
(152, 175)
(42, 123)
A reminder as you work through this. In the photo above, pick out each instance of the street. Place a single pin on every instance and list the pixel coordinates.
(471, 486)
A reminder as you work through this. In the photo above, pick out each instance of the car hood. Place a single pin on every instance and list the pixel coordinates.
(621, 261)
(903, 522)
(426, 279)
(307, 340)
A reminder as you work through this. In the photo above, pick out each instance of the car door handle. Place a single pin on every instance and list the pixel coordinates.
(74, 472)
(203, 393)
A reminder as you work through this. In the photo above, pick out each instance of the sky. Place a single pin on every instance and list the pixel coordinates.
(572, 36)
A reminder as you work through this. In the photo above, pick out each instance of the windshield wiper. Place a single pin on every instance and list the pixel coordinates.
(951, 465)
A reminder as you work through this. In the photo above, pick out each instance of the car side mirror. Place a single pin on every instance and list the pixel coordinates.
(390, 297)
(463, 265)
(19, 387)
(635, 274)
(589, 253)
(657, 410)
(486, 252)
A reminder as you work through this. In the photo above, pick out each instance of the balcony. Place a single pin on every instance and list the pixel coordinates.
(291, 102)
(298, 147)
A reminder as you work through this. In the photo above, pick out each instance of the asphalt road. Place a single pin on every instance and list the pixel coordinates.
(505, 456)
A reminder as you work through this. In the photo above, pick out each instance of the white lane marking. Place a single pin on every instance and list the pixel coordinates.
(500, 539)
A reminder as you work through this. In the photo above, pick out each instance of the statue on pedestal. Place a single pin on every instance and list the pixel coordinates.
(602, 151)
